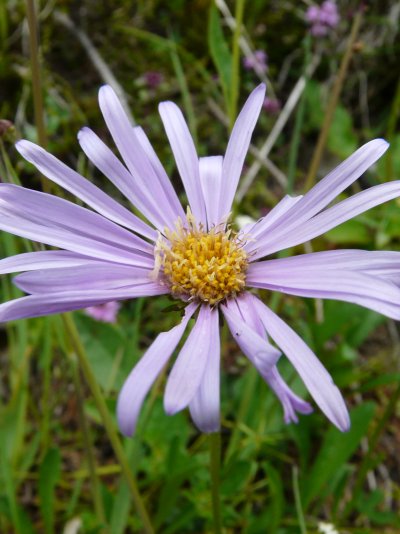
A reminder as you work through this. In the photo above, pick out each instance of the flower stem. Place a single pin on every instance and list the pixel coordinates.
(391, 130)
(297, 498)
(299, 120)
(91, 462)
(235, 77)
(107, 421)
(333, 101)
(36, 74)
(371, 454)
(215, 465)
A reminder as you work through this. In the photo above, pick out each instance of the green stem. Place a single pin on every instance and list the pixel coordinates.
(333, 101)
(391, 130)
(299, 120)
(46, 362)
(235, 78)
(373, 442)
(215, 465)
(297, 498)
(91, 462)
(248, 389)
(107, 421)
(36, 73)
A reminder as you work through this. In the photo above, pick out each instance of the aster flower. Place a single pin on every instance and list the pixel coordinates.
(109, 254)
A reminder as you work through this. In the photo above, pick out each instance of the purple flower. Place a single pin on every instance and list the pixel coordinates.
(109, 254)
(271, 105)
(107, 313)
(322, 19)
(257, 61)
(153, 78)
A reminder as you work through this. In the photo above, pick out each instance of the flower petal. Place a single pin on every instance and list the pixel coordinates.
(328, 219)
(135, 157)
(383, 264)
(316, 378)
(185, 156)
(143, 375)
(263, 225)
(70, 180)
(211, 177)
(99, 275)
(43, 259)
(204, 407)
(256, 348)
(291, 403)
(335, 182)
(46, 304)
(238, 146)
(104, 159)
(188, 370)
(165, 182)
(57, 222)
(350, 286)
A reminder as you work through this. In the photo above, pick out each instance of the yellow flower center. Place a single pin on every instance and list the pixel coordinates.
(207, 266)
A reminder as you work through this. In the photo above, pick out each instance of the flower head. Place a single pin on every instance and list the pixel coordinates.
(109, 254)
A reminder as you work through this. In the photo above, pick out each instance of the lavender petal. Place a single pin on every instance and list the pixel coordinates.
(350, 286)
(143, 375)
(188, 370)
(135, 157)
(185, 156)
(205, 405)
(316, 378)
(104, 159)
(328, 219)
(57, 222)
(93, 276)
(70, 180)
(211, 178)
(163, 178)
(46, 304)
(238, 146)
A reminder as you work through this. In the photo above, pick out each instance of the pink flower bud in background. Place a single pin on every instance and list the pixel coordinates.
(256, 61)
(322, 19)
(271, 105)
(153, 78)
(107, 313)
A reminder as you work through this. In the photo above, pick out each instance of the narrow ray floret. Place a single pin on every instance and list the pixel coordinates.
(107, 254)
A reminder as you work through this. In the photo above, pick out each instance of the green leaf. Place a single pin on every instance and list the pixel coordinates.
(104, 346)
(220, 53)
(49, 475)
(350, 232)
(341, 138)
(336, 450)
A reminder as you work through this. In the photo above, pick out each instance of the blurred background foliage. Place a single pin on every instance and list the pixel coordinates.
(275, 478)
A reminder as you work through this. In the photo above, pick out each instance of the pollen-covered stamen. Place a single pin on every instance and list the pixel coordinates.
(208, 266)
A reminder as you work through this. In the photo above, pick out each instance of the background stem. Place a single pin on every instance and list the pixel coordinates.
(215, 466)
(332, 103)
(107, 421)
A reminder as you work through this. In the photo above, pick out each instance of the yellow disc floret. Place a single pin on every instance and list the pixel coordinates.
(207, 266)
